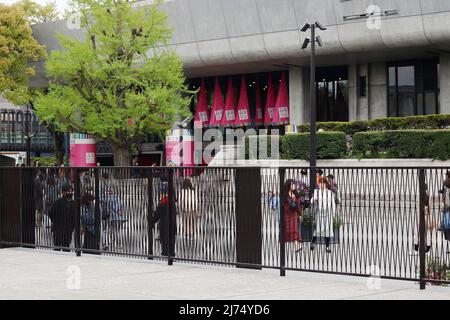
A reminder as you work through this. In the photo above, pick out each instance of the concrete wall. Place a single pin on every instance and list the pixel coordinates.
(377, 91)
(299, 95)
(223, 32)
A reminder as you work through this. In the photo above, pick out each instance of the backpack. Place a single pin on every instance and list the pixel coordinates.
(446, 220)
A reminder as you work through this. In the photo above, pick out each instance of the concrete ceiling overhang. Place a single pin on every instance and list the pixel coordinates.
(220, 37)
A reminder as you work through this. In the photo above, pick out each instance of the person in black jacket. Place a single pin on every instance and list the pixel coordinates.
(167, 227)
(62, 215)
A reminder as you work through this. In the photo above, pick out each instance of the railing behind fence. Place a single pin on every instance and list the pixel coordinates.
(384, 222)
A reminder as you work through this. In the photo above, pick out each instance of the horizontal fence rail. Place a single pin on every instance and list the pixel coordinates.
(383, 222)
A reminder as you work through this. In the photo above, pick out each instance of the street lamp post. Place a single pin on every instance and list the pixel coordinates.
(312, 92)
(28, 136)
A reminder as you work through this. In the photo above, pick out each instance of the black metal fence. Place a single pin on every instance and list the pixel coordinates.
(380, 222)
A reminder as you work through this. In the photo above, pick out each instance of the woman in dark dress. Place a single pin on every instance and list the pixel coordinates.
(291, 208)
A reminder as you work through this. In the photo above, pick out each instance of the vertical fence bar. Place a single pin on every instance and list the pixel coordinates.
(1, 207)
(150, 213)
(171, 216)
(77, 213)
(422, 244)
(98, 218)
(282, 173)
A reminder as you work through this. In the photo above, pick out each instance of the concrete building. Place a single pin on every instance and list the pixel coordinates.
(13, 122)
(380, 58)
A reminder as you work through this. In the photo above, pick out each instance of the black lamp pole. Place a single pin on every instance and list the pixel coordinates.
(27, 134)
(313, 113)
(312, 100)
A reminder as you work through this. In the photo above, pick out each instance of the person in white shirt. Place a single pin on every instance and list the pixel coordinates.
(324, 207)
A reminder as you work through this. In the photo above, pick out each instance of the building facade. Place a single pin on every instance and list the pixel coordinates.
(380, 58)
(13, 122)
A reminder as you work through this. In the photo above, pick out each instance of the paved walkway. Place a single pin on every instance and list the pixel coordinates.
(31, 274)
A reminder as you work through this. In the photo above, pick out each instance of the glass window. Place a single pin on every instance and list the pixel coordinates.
(413, 88)
(392, 92)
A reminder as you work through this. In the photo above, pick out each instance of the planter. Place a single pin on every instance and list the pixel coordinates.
(308, 232)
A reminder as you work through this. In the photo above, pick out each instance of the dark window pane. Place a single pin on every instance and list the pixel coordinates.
(406, 91)
(430, 102)
(392, 101)
(420, 110)
(342, 100)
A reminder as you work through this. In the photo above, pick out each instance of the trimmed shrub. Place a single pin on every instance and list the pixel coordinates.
(44, 161)
(349, 128)
(330, 145)
(255, 149)
(434, 144)
(435, 121)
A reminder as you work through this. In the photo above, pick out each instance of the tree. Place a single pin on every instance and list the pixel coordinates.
(17, 49)
(37, 13)
(121, 83)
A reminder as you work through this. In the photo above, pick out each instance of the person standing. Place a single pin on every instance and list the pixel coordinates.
(166, 213)
(324, 206)
(291, 211)
(88, 220)
(189, 208)
(62, 215)
(39, 185)
(444, 206)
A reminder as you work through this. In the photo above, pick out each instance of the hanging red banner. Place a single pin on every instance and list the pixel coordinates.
(270, 103)
(243, 109)
(217, 107)
(281, 114)
(230, 107)
(259, 115)
(201, 111)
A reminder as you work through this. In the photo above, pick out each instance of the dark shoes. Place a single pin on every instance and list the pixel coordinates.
(416, 248)
(328, 250)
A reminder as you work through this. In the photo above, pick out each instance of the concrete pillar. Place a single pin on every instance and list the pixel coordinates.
(377, 91)
(444, 79)
(352, 92)
(299, 95)
(358, 107)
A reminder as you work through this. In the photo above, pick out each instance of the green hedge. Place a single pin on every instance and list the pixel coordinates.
(330, 145)
(253, 148)
(434, 144)
(435, 121)
(44, 161)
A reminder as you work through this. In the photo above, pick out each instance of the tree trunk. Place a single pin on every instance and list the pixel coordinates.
(122, 155)
(59, 147)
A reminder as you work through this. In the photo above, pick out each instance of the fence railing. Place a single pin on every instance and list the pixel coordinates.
(380, 222)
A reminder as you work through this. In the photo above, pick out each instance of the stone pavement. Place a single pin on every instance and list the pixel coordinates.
(32, 274)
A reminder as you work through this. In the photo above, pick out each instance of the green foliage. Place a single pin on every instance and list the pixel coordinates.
(121, 83)
(435, 121)
(260, 147)
(436, 270)
(433, 144)
(308, 218)
(349, 128)
(44, 161)
(337, 222)
(36, 13)
(17, 49)
(330, 145)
